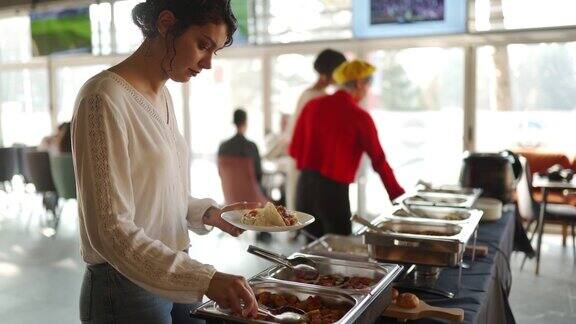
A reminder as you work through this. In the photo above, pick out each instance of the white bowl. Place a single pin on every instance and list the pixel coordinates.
(491, 207)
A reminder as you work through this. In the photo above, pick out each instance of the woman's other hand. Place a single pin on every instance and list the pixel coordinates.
(213, 217)
(233, 292)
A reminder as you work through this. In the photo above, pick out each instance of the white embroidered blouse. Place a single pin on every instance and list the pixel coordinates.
(133, 191)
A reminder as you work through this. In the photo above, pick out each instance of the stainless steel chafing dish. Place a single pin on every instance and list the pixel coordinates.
(366, 305)
(444, 199)
(339, 247)
(420, 241)
(211, 311)
(451, 215)
(381, 273)
(448, 189)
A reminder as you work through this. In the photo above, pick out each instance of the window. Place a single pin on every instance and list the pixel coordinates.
(24, 112)
(281, 21)
(128, 35)
(291, 75)
(418, 110)
(16, 41)
(214, 95)
(526, 97)
(69, 80)
(517, 14)
(100, 22)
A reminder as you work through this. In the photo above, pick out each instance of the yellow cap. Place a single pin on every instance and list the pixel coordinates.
(352, 70)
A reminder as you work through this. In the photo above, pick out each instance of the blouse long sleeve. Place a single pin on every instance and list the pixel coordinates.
(106, 200)
(196, 209)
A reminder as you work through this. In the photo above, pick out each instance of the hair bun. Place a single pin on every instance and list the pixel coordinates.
(144, 15)
(187, 12)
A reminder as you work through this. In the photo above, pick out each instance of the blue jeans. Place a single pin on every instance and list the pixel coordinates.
(109, 297)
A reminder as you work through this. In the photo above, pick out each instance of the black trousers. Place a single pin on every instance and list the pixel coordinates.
(325, 199)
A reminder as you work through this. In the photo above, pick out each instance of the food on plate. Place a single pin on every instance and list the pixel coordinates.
(407, 300)
(316, 309)
(270, 215)
(337, 280)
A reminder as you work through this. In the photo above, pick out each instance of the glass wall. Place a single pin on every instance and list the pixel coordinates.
(523, 91)
(281, 21)
(214, 94)
(291, 75)
(100, 24)
(69, 80)
(24, 106)
(16, 42)
(128, 35)
(527, 92)
(518, 14)
(417, 105)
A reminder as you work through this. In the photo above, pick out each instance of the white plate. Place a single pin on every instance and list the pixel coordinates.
(234, 217)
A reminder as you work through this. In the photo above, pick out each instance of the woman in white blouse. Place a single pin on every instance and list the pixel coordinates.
(130, 162)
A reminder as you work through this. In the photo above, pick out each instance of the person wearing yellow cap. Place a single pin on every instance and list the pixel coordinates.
(329, 139)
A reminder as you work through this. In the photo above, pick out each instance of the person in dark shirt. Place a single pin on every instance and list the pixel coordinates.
(239, 145)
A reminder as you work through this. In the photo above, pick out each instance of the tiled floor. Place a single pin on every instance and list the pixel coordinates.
(40, 276)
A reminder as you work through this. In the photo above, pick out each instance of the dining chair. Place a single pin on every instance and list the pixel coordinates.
(37, 167)
(239, 180)
(529, 209)
(8, 165)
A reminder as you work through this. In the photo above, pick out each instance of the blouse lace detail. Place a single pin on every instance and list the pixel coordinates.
(120, 243)
(137, 96)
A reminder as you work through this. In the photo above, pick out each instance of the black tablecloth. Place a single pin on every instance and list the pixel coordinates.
(485, 285)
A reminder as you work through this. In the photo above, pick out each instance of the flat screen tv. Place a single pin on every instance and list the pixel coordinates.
(61, 31)
(396, 18)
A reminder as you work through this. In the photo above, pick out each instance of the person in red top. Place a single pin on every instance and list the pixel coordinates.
(330, 136)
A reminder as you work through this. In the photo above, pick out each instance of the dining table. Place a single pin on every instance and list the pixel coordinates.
(546, 185)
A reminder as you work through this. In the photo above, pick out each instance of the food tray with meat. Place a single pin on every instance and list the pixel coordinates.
(320, 305)
(419, 242)
(354, 277)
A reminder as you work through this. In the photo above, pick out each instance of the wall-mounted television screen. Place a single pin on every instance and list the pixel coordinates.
(61, 31)
(393, 18)
(405, 11)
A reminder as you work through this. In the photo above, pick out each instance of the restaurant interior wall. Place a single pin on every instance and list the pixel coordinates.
(420, 101)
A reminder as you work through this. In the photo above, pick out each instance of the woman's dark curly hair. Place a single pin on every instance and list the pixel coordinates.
(187, 12)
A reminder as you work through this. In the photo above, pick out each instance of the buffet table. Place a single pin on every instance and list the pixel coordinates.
(486, 284)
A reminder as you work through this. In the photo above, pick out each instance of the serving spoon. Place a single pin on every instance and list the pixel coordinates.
(286, 314)
(301, 267)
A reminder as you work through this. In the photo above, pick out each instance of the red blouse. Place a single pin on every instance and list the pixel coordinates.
(330, 136)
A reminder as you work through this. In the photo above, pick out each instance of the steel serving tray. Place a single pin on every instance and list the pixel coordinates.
(420, 241)
(355, 314)
(443, 199)
(339, 247)
(451, 215)
(449, 189)
(382, 273)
